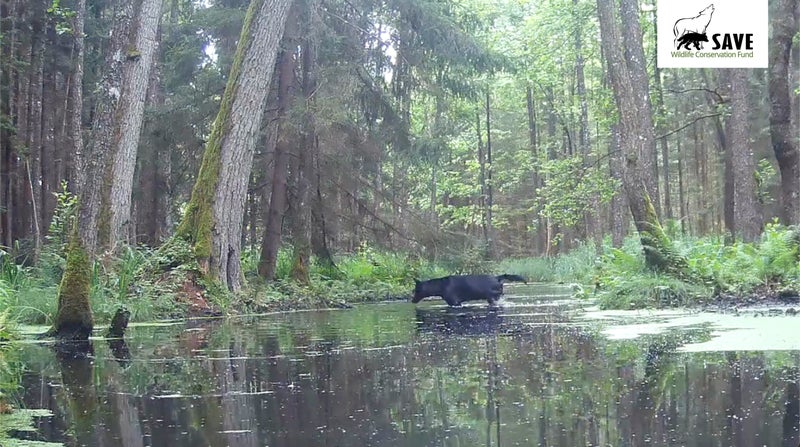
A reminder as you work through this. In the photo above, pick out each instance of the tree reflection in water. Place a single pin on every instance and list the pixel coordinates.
(396, 375)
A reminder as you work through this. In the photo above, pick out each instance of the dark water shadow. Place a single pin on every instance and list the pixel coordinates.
(76, 365)
(465, 321)
(119, 349)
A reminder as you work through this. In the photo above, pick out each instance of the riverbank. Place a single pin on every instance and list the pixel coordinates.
(720, 275)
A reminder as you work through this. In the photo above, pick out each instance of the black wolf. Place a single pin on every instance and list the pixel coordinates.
(689, 39)
(459, 288)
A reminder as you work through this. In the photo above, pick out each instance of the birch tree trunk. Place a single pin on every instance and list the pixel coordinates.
(130, 113)
(213, 219)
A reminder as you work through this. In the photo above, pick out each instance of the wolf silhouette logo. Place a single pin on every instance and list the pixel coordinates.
(692, 30)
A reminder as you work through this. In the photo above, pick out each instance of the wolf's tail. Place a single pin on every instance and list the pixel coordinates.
(511, 278)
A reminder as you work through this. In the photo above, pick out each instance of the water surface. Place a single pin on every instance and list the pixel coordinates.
(536, 372)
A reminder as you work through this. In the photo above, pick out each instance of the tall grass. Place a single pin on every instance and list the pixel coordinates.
(578, 265)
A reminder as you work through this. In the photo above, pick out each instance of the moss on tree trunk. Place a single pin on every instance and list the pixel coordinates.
(213, 219)
(74, 315)
(197, 223)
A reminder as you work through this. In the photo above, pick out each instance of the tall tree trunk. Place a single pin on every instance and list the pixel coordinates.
(154, 172)
(54, 111)
(532, 141)
(682, 189)
(747, 222)
(583, 133)
(637, 63)
(301, 232)
(130, 112)
(75, 114)
(489, 193)
(271, 239)
(482, 179)
(784, 144)
(728, 216)
(660, 129)
(319, 227)
(103, 129)
(35, 137)
(74, 314)
(213, 219)
(4, 112)
(591, 216)
(619, 208)
(21, 118)
(552, 120)
(635, 123)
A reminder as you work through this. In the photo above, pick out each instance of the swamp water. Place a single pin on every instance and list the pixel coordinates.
(543, 370)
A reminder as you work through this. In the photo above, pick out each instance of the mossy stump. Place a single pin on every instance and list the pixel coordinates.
(74, 317)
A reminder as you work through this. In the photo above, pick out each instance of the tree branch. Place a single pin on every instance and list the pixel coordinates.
(720, 98)
(687, 125)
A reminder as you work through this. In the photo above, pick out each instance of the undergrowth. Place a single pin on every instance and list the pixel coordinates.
(727, 273)
(147, 282)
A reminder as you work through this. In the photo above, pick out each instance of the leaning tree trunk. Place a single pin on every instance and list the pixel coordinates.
(635, 121)
(118, 183)
(213, 219)
(784, 145)
(637, 64)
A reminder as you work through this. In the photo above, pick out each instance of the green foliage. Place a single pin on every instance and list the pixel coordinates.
(370, 265)
(22, 420)
(766, 180)
(648, 291)
(571, 188)
(765, 269)
(12, 274)
(534, 269)
(10, 368)
(62, 17)
(577, 265)
(366, 275)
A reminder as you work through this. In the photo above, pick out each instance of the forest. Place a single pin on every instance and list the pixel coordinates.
(257, 186)
(184, 157)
